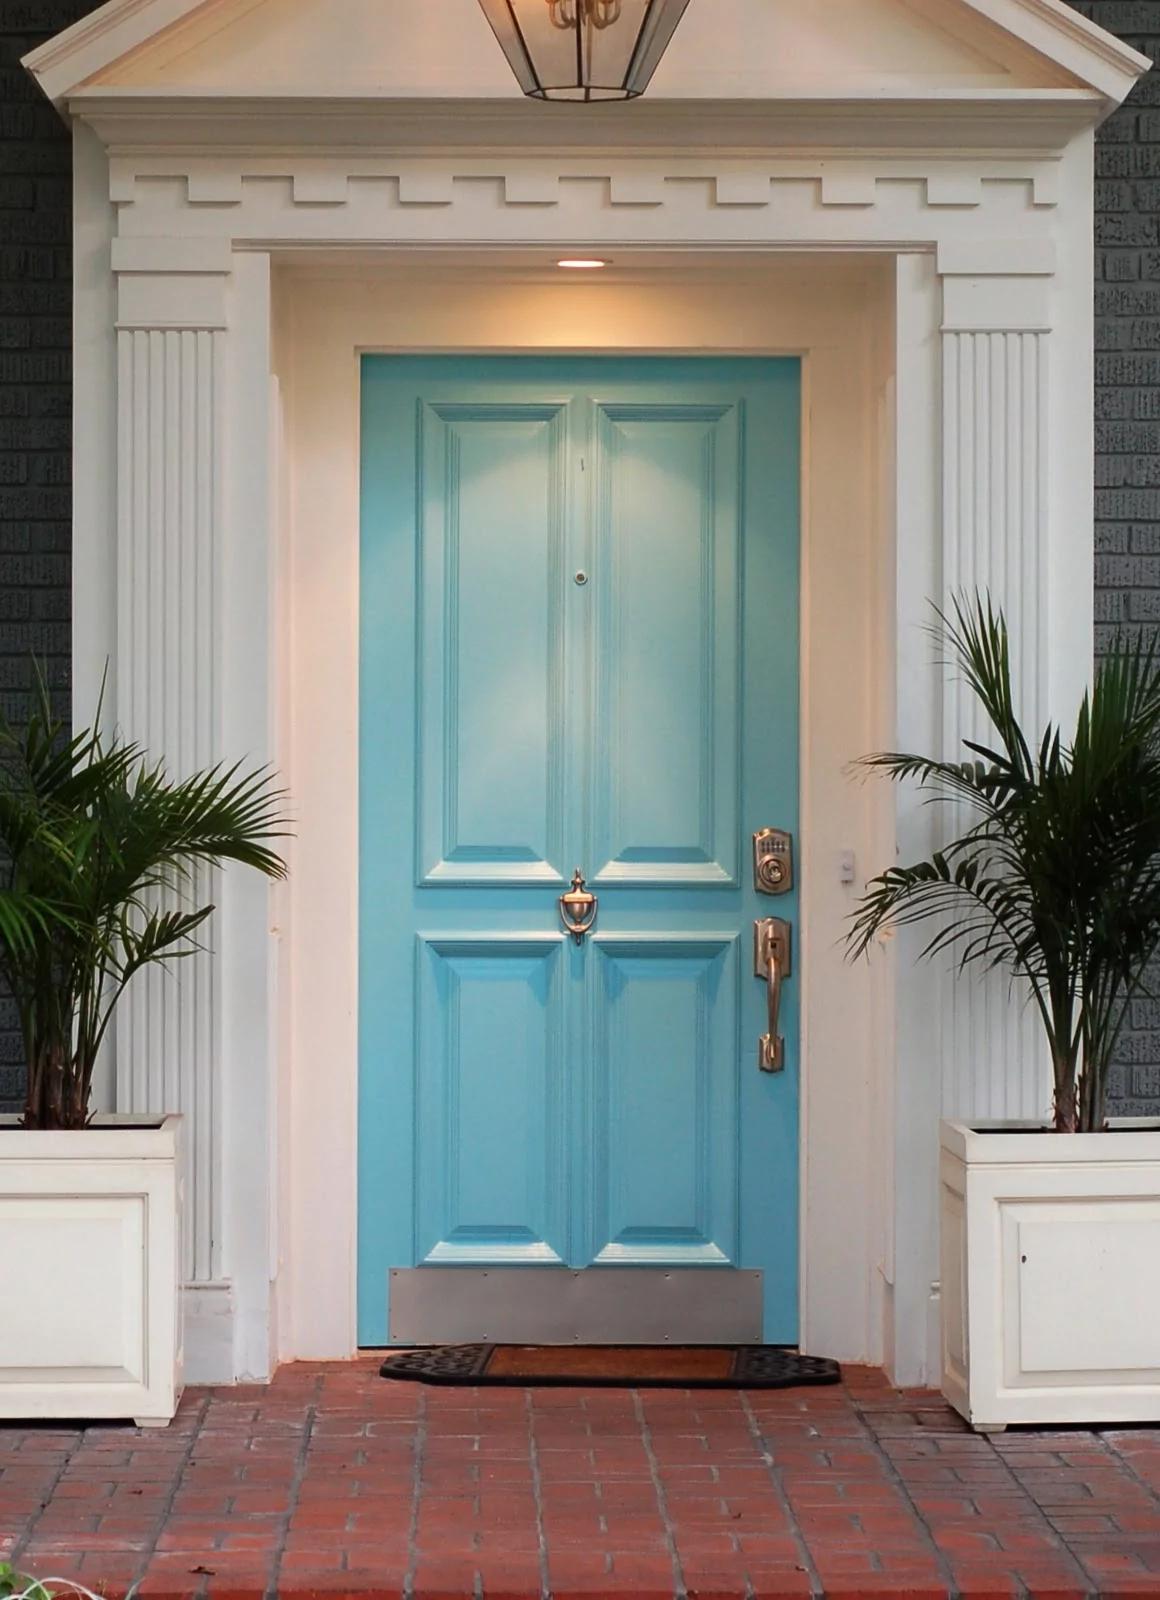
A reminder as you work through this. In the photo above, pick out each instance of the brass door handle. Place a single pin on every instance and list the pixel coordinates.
(773, 961)
(578, 908)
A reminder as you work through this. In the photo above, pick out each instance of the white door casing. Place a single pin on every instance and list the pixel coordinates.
(829, 311)
(187, 202)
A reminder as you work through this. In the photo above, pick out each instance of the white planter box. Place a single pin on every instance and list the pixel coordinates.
(1050, 1274)
(89, 1228)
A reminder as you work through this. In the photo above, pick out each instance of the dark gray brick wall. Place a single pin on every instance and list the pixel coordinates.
(35, 399)
(1127, 532)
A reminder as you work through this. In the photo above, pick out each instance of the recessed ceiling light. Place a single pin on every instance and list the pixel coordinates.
(581, 264)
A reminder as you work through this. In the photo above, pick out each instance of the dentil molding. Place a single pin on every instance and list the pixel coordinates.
(520, 181)
(180, 218)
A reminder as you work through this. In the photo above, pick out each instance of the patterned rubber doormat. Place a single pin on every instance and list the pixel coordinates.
(753, 1366)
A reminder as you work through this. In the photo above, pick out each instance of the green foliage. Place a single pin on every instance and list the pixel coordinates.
(12, 1583)
(18, 1586)
(1056, 878)
(101, 848)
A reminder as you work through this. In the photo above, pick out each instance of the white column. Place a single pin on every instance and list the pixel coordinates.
(171, 322)
(911, 1266)
(250, 647)
(996, 352)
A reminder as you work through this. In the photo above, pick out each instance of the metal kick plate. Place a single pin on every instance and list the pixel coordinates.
(556, 1305)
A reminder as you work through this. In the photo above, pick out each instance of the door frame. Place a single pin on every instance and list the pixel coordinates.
(835, 317)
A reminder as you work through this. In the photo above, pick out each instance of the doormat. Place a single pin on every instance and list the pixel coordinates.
(746, 1366)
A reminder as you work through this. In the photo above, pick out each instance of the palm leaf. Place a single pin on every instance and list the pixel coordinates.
(1056, 878)
(102, 845)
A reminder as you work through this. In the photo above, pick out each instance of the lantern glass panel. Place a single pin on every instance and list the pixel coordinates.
(583, 49)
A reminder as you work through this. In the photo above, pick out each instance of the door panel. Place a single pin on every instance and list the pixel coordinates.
(664, 1148)
(666, 642)
(494, 502)
(491, 1165)
(579, 648)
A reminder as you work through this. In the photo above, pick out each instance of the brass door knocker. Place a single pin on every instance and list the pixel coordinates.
(578, 908)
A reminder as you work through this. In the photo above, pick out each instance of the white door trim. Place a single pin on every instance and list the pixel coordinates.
(329, 320)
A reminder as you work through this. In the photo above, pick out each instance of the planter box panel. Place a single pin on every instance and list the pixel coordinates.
(76, 1265)
(1083, 1291)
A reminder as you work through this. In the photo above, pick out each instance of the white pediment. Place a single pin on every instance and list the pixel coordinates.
(741, 50)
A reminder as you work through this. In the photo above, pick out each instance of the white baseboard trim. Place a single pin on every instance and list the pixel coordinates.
(208, 1321)
(933, 1337)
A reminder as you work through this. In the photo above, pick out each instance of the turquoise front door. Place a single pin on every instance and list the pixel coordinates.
(579, 648)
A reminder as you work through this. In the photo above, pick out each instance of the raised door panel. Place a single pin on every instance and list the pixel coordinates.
(665, 768)
(662, 1146)
(490, 722)
(491, 1155)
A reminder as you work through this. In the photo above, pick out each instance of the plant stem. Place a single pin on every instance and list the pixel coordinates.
(48, 1104)
(1066, 1104)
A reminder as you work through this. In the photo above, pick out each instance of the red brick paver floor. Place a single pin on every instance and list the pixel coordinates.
(332, 1482)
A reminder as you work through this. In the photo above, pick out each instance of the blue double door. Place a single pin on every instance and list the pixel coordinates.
(579, 650)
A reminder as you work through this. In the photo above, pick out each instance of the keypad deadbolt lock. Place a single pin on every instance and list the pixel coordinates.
(772, 861)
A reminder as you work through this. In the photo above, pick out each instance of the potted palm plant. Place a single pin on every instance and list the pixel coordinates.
(1050, 1232)
(99, 848)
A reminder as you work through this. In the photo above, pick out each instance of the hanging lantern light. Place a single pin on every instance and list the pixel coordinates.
(583, 49)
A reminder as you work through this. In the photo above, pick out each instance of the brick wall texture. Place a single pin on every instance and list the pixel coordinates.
(35, 400)
(1127, 523)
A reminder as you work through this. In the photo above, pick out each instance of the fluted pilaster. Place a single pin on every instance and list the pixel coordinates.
(994, 539)
(171, 351)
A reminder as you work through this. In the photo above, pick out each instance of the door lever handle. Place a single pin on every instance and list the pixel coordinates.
(773, 961)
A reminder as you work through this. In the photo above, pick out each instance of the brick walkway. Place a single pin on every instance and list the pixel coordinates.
(331, 1482)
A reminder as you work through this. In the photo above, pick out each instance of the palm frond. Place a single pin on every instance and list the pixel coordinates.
(162, 936)
(26, 920)
(101, 846)
(1056, 877)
